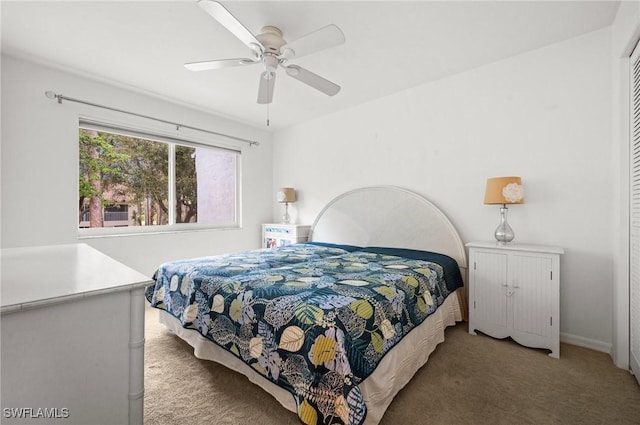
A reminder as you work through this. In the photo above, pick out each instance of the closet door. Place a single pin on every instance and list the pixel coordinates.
(634, 225)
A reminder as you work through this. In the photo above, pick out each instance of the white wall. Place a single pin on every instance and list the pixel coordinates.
(544, 115)
(40, 166)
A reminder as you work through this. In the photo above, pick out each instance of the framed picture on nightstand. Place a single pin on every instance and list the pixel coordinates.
(270, 243)
(274, 235)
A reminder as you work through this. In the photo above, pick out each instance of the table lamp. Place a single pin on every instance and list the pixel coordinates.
(286, 195)
(504, 191)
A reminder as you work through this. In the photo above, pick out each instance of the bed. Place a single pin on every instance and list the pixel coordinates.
(335, 327)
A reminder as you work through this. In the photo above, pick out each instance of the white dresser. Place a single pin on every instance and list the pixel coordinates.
(514, 291)
(72, 337)
(284, 234)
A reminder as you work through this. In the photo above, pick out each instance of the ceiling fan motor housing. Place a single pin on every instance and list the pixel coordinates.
(271, 39)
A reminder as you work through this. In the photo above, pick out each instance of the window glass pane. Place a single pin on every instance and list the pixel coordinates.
(216, 181)
(124, 182)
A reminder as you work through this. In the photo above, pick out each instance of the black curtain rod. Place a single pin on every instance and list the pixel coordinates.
(60, 98)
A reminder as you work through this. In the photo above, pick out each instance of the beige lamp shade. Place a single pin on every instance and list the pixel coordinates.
(286, 195)
(504, 190)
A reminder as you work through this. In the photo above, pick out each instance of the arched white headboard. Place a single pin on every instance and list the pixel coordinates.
(389, 217)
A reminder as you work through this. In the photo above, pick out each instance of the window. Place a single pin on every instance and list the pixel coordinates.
(148, 182)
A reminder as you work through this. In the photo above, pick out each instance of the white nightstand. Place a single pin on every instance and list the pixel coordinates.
(514, 291)
(284, 234)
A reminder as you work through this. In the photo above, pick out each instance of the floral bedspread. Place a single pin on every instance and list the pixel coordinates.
(314, 320)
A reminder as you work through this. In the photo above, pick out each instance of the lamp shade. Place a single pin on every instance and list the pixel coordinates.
(286, 194)
(504, 190)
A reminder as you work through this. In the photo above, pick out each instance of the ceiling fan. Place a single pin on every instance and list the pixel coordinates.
(271, 50)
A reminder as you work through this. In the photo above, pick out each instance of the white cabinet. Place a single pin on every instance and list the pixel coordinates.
(514, 291)
(283, 234)
(72, 337)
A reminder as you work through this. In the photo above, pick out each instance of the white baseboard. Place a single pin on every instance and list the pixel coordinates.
(580, 341)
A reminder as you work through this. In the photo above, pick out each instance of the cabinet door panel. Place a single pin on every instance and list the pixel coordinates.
(489, 293)
(532, 297)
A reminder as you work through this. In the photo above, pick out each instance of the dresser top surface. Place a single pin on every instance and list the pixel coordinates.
(42, 275)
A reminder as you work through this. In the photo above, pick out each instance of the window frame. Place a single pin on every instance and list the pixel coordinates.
(172, 141)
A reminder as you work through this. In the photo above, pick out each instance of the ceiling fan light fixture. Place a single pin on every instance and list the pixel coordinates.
(270, 62)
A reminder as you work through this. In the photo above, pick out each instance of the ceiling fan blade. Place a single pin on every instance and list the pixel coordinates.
(230, 22)
(321, 39)
(265, 90)
(217, 64)
(313, 80)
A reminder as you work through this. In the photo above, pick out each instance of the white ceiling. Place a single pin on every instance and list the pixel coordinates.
(390, 45)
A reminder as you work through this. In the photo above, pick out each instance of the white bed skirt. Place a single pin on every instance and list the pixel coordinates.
(394, 371)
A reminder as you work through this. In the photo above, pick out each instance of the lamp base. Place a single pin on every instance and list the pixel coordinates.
(286, 218)
(504, 233)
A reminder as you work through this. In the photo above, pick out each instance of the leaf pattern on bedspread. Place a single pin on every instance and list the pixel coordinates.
(314, 320)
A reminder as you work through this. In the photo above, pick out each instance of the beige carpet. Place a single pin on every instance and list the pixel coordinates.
(468, 380)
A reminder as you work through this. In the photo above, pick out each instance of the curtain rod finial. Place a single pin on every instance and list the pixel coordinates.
(52, 95)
